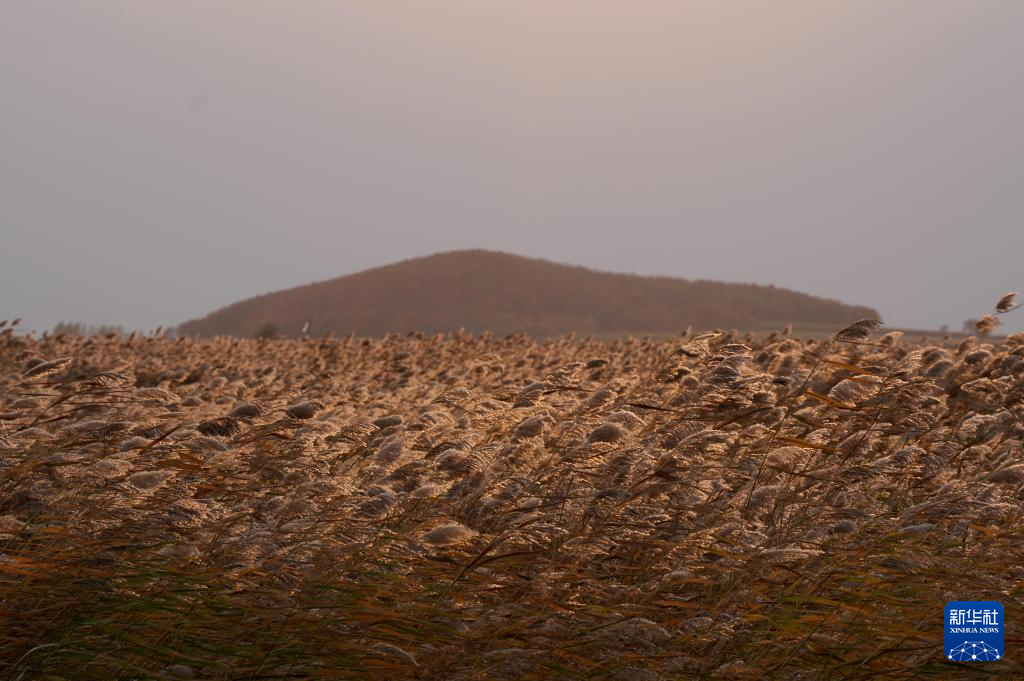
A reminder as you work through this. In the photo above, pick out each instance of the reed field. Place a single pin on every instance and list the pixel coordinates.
(465, 506)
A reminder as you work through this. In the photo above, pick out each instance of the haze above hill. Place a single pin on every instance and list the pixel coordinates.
(488, 291)
(163, 159)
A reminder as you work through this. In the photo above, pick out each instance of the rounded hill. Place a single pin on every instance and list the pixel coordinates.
(502, 293)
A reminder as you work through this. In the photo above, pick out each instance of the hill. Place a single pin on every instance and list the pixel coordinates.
(503, 293)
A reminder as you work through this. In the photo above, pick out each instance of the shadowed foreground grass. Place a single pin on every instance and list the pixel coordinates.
(471, 508)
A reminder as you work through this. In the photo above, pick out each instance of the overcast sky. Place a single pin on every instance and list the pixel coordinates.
(159, 160)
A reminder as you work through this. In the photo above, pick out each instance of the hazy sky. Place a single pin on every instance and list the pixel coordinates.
(162, 159)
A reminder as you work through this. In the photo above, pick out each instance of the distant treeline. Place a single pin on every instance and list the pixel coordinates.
(82, 329)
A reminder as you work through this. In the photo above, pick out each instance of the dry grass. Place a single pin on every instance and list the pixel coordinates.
(474, 508)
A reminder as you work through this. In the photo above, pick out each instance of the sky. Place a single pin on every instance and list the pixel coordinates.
(159, 160)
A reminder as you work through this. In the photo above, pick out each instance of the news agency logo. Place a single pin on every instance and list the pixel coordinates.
(974, 631)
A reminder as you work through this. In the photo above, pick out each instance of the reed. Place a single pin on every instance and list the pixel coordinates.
(465, 507)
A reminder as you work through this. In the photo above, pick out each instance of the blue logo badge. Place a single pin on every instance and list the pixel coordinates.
(974, 631)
